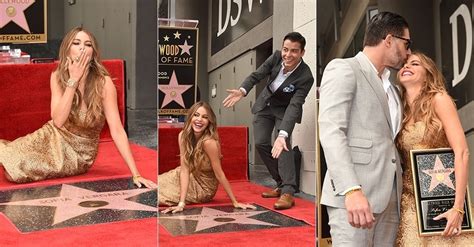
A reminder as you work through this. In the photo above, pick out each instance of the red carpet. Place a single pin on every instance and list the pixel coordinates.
(250, 193)
(108, 165)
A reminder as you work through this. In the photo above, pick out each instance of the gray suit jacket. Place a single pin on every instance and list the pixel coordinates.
(287, 101)
(355, 132)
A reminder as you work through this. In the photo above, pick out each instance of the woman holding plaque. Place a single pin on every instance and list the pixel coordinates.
(83, 98)
(430, 120)
(196, 180)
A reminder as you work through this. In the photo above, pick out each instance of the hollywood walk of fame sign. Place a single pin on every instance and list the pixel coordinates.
(216, 219)
(434, 184)
(177, 69)
(23, 21)
(85, 203)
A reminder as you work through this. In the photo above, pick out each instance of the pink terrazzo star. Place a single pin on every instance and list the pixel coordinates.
(211, 217)
(74, 201)
(15, 12)
(439, 174)
(173, 91)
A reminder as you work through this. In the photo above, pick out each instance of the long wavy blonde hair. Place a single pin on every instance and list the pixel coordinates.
(194, 154)
(422, 108)
(95, 80)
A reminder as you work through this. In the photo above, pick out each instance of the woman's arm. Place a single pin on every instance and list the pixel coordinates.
(211, 148)
(183, 180)
(118, 133)
(447, 113)
(61, 102)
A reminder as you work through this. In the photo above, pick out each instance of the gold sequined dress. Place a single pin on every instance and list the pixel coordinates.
(412, 138)
(51, 152)
(202, 185)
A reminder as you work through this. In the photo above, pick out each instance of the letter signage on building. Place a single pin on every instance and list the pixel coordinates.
(456, 46)
(23, 21)
(232, 18)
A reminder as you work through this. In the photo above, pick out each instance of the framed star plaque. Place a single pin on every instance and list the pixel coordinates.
(23, 21)
(177, 69)
(434, 184)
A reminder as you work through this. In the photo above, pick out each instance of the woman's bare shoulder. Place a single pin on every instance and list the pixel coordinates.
(442, 99)
(210, 141)
(54, 75)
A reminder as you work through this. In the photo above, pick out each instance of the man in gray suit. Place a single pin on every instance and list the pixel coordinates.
(278, 106)
(360, 115)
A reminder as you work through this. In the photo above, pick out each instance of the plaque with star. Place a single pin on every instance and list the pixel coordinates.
(435, 188)
(77, 204)
(23, 21)
(216, 219)
(177, 69)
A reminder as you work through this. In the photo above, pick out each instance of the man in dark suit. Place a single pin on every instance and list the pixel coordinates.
(278, 106)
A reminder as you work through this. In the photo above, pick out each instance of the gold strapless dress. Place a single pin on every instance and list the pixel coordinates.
(202, 185)
(51, 152)
(412, 138)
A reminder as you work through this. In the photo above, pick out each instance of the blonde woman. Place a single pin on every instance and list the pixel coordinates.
(83, 97)
(197, 178)
(430, 120)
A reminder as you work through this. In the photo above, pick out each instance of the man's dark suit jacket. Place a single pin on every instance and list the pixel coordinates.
(287, 101)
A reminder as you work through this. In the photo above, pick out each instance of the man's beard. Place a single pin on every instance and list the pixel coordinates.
(397, 65)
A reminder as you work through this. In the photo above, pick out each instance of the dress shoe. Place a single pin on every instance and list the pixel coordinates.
(272, 193)
(285, 202)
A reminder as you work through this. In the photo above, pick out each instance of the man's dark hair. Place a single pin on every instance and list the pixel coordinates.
(296, 37)
(381, 25)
